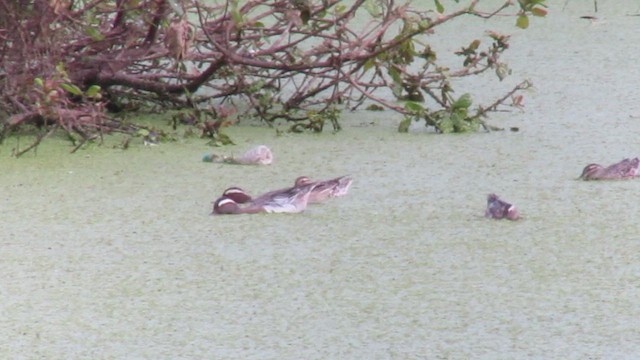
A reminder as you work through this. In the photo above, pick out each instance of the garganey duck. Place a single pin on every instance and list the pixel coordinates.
(322, 190)
(625, 169)
(293, 200)
(498, 209)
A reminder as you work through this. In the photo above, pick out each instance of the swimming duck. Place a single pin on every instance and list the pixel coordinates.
(498, 209)
(625, 169)
(322, 190)
(241, 197)
(293, 200)
(259, 155)
(325, 189)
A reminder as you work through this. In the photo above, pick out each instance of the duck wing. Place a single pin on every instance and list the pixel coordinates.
(625, 168)
(293, 200)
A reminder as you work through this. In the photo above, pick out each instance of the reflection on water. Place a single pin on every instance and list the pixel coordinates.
(113, 254)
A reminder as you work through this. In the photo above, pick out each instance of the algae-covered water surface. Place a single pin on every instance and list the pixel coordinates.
(113, 254)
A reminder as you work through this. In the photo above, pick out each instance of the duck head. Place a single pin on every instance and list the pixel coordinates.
(302, 180)
(225, 205)
(237, 194)
(591, 172)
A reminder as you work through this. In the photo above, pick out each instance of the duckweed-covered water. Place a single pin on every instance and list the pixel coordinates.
(112, 254)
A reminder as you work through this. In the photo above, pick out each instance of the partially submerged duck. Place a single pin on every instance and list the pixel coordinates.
(294, 200)
(498, 209)
(625, 169)
(241, 197)
(322, 190)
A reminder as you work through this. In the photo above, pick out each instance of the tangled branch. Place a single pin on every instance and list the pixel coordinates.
(65, 61)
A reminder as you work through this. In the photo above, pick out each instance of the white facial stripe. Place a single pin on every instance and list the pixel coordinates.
(225, 201)
(234, 191)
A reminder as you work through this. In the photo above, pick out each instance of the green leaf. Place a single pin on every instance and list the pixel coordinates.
(403, 127)
(473, 124)
(143, 132)
(414, 107)
(60, 69)
(237, 17)
(373, 7)
(461, 124)
(463, 102)
(369, 64)
(439, 6)
(461, 113)
(340, 9)
(446, 125)
(395, 75)
(397, 89)
(428, 54)
(502, 70)
(224, 139)
(522, 22)
(72, 89)
(93, 91)
(265, 99)
(235, 14)
(94, 34)
(406, 50)
(38, 81)
(456, 120)
(256, 86)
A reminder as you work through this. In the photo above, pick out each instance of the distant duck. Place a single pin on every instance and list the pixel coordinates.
(625, 169)
(498, 209)
(293, 200)
(259, 155)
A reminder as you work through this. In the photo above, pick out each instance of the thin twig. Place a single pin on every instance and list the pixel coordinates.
(38, 140)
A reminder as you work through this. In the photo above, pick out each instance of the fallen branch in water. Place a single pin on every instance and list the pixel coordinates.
(39, 138)
(300, 61)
